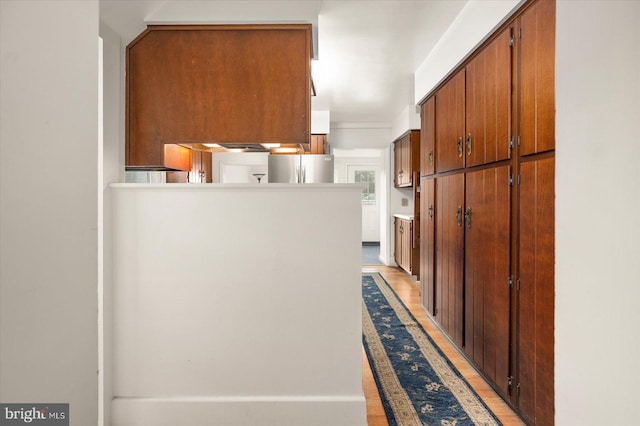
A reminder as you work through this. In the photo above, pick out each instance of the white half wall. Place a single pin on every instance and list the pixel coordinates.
(240, 304)
(597, 229)
(49, 205)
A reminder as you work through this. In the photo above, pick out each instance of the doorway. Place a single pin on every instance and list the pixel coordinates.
(369, 175)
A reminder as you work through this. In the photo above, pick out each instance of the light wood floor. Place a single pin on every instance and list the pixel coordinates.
(408, 291)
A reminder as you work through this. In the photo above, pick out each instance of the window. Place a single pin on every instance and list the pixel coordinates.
(368, 177)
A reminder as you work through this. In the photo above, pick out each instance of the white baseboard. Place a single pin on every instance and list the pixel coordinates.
(387, 261)
(240, 411)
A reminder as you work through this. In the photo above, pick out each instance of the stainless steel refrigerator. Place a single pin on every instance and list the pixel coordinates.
(309, 168)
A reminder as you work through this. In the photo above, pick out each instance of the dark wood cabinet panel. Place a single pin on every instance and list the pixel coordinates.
(427, 244)
(537, 70)
(488, 95)
(216, 83)
(487, 268)
(428, 137)
(536, 293)
(450, 255)
(450, 124)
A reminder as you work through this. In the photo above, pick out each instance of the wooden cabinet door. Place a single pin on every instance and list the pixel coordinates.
(406, 160)
(318, 144)
(396, 243)
(427, 244)
(537, 70)
(406, 245)
(397, 163)
(201, 167)
(488, 100)
(450, 124)
(536, 293)
(450, 255)
(427, 136)
(487, 269)
(207, 166)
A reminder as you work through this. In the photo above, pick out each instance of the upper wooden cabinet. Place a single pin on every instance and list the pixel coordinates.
(216, 84)
(428, 137)
(537, 69)
(488, 101)
(406, 151)
(450, 132)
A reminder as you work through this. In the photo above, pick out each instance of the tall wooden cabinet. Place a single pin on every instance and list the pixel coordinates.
(427, 244)
(449, 266)
(487, 268)
(487, 210)
(536, 291)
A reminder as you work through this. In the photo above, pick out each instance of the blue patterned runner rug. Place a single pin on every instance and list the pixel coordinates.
(418, 385)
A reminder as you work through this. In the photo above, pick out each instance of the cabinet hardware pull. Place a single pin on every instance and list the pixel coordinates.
(431, 212)
(431, 158)
(460, 147)
(469, 144)
(467, 216)
(459, 216)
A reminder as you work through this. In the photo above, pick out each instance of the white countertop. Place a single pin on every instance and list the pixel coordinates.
(403, 216)
(237, 187)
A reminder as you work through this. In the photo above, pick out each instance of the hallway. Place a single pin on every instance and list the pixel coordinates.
(408, 291)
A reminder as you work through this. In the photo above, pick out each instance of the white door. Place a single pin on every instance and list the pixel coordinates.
(369, 175)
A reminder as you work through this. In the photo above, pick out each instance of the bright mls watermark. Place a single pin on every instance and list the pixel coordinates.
(34, 414)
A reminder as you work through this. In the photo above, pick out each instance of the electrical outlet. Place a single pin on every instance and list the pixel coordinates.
(405, 202)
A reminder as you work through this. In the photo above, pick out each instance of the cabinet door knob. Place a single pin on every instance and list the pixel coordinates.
(469, 144)
(431, 158)
(460, 147)
(431, 212)
(459, 216)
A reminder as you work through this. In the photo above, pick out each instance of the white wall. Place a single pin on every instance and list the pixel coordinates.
(112, 171)
(257, 159)
(358, 135)
(320, 122)
(472, 25)
(238, 305)
(597, 225)
(408, 119)
(48, 204)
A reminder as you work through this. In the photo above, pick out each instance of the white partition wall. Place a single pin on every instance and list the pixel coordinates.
(237, 304)
(48, 205)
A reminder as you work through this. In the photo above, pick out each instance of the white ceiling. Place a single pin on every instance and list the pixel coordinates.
(367, 53)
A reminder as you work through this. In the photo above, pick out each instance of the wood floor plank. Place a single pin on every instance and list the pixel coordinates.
(409, 293)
